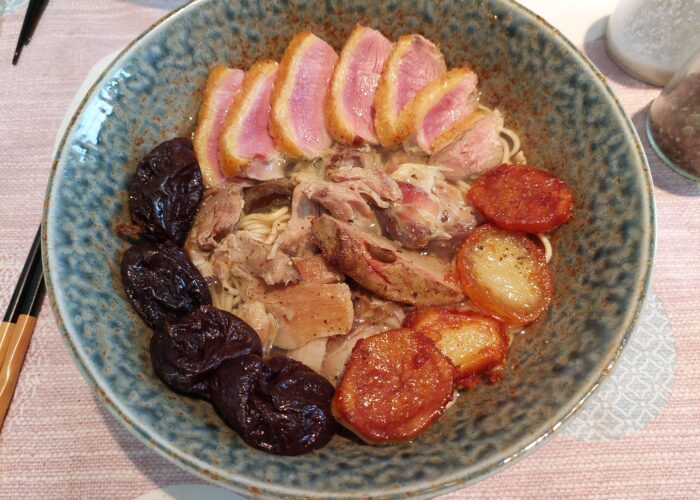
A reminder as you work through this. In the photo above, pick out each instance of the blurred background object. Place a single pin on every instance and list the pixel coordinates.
(673, 121)
(650, 39)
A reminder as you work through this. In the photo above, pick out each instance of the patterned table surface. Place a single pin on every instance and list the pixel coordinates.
(638, 437)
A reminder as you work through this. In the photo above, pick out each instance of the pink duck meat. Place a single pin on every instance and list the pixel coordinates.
(412, 64)
(297, 122)
(477, 150)
(436, 116)
(222, 86)
(246, 147)
(350, 107)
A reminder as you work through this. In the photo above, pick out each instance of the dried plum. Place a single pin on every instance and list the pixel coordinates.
(166, 190)
(277, 405)
(161, 283)
(186, 353)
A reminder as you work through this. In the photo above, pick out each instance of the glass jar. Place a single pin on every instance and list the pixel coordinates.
(673, 121)
(650, 39)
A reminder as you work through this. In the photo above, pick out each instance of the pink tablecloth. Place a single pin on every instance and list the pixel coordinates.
(639, 437)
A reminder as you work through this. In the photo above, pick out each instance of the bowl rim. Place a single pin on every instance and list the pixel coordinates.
(245, 485)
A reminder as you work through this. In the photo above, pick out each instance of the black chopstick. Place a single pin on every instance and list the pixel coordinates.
(31, 18)
(31, 302)
(25, 306)
(21, 289)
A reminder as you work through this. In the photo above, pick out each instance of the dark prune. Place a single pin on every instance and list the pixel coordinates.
(166, 190)
(161, 283)
(186, 353)
(277, 405)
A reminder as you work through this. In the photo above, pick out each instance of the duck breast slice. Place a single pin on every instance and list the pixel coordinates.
(477, 150)
(412, 64)
(245, 141)
(297, 122)
(350, 107)
(222, 86)
(434, 118)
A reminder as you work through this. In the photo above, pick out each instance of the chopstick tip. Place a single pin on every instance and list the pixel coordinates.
(18, 52)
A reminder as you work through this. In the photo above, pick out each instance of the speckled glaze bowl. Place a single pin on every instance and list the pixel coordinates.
(570, 123)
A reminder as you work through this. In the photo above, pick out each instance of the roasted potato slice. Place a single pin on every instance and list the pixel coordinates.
(505, 274)
(475, 343)
(395, 384)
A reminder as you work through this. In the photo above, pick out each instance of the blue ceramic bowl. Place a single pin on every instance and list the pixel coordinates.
(570, 123)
